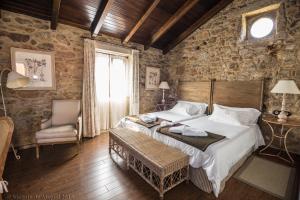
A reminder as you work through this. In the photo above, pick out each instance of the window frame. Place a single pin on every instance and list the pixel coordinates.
(251, 20)
(248, 18)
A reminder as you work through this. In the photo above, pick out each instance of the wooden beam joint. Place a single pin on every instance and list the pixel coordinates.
(55, 13)
(202, 20)
(141, 21)
(100, 16)
(188, 5)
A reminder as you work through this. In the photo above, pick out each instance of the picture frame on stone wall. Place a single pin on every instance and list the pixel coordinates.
(152, 78)
(38, 66)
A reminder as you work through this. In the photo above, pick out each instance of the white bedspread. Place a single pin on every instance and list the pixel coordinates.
(219, 157)
(168, 115)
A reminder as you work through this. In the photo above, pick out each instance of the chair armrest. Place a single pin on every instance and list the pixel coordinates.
(79, 126)
(46, 123)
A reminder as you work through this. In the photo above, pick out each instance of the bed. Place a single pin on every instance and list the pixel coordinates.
(191, 92)
(210, 169)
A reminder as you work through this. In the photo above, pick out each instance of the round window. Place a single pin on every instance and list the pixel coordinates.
(262, 27)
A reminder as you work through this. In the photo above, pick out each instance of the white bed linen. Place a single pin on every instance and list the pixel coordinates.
(219, 157)
(168, 115)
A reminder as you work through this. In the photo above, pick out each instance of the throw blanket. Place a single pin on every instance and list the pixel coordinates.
(137, 120)
(199, 142)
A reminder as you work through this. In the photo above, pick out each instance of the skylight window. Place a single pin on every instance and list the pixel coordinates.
(262, 27)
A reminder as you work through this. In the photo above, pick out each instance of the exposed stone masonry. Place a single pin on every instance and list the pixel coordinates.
(215, 51)
(28, 107)
(212, 51)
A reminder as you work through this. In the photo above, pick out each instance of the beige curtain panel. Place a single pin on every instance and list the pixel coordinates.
(134, 96)
(88, 93)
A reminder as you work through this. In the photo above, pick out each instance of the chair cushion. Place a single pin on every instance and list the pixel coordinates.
(65, 112)
(56, 140)
(56, 132)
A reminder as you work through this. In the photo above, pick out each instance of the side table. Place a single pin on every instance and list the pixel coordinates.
(290, 124)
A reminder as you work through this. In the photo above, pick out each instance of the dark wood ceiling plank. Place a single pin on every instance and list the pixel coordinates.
(202, 20)
(25, 7)
(55, 13)
(32, 13)
(141, 21)
(100, 16)
(171, 21)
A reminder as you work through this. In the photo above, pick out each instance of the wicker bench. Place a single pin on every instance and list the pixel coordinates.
(161, 166)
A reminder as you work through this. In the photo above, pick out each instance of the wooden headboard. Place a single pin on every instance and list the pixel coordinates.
(199, 91)
(239, 93)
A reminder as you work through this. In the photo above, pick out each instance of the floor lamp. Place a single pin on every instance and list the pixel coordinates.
(14, 81)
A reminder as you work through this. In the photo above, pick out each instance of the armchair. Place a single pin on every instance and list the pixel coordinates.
(64, 126)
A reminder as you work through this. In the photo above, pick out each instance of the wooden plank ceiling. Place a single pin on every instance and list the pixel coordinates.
(160, 24)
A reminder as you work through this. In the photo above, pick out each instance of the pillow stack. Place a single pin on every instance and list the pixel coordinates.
(189, 108)
(235, 116)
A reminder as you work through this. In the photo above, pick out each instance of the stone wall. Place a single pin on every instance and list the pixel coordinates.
(28, 107)
(215, 51)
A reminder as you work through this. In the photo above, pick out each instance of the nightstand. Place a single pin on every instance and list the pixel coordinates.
(291, 124)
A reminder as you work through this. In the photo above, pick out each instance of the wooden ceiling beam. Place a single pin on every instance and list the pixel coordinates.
(100, 16)
(171, 21)
(202, 20)
(141, 21)
(55, 13)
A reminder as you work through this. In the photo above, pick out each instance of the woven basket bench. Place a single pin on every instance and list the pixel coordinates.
(161, 166)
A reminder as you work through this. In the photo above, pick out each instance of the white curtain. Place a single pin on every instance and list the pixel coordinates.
(88, 93)
(134, 97)
(112, 92)
(110, 86)
(102, 92)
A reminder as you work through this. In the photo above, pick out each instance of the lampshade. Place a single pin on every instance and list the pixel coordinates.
(164, 85)
(286, 87)
(16, 80)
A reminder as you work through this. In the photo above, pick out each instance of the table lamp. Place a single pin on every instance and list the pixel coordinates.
(285, 87)
(14, 81)
(164, 86)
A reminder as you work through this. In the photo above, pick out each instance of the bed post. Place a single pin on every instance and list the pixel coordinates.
(211, 96)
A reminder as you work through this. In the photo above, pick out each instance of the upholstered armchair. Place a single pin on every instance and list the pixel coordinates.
(64, 126)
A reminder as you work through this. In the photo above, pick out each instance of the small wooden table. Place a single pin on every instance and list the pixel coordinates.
(161, 166)
(291, 124)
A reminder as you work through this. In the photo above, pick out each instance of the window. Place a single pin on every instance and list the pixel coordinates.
(260, 24)
(262, 27)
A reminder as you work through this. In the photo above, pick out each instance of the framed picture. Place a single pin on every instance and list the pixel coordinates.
(152, 78)
(38, 66)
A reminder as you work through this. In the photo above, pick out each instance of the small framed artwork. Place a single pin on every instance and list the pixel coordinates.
(38, 66)
(152, 78)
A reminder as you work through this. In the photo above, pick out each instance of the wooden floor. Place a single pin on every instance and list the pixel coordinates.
(92, 174)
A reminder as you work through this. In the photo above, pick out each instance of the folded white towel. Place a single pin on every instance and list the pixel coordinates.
(189, 131)
(148, 118)
(166, 123)
(177, 129)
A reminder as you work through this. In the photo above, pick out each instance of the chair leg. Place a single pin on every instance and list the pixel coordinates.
(78, 147)
(37, 148)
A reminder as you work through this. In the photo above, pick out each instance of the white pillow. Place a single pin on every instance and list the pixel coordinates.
(189, 108)
(235, 116)
(193, 109)
(180, 108)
